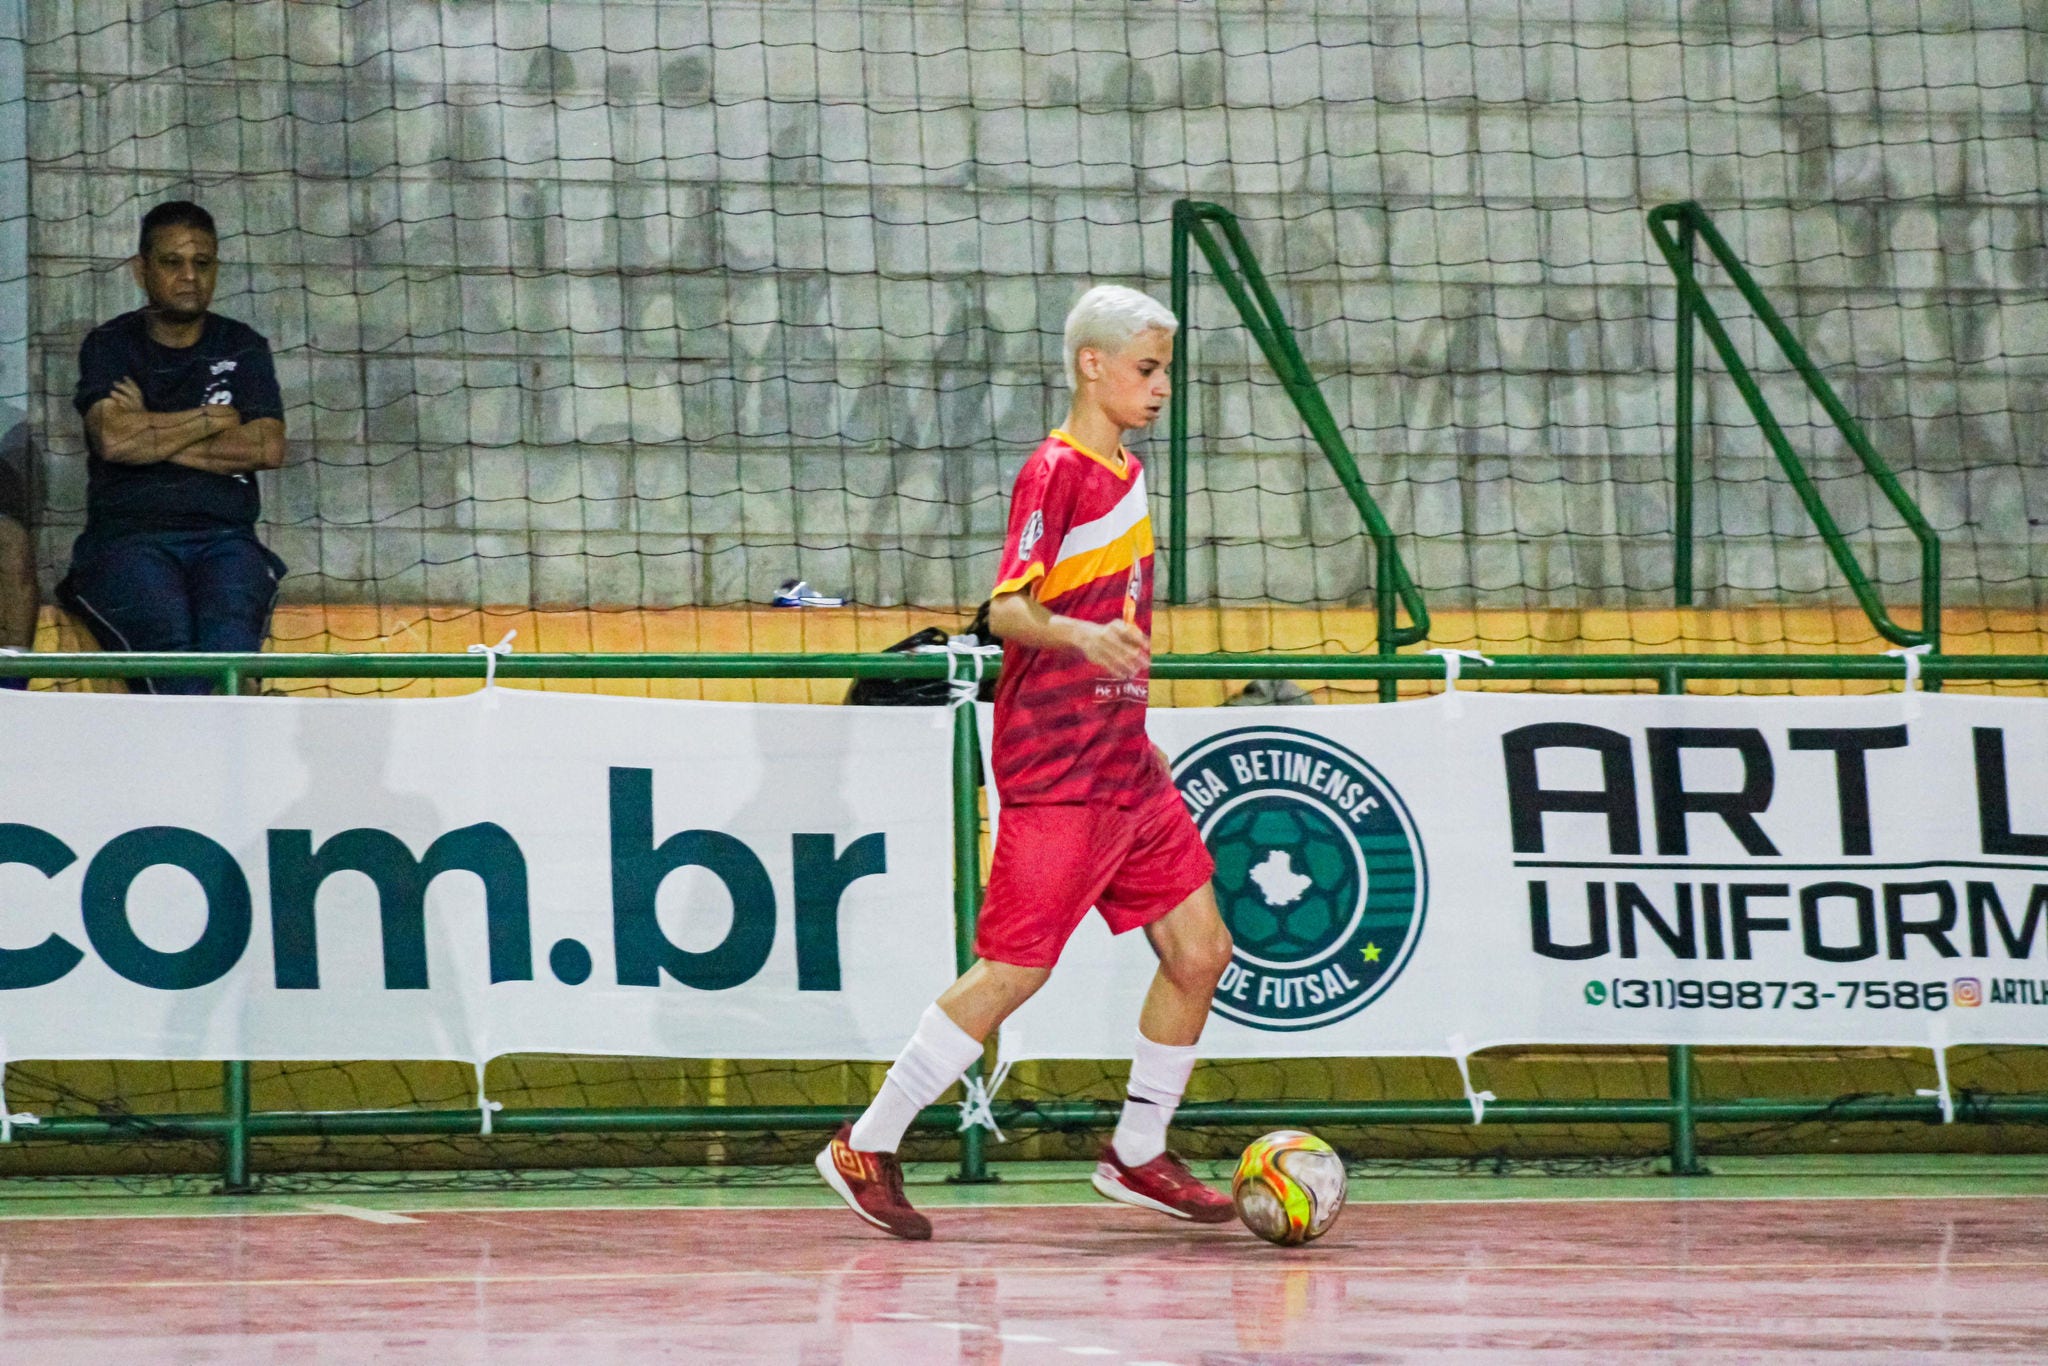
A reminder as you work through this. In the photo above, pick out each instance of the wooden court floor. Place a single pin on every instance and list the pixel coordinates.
(1905, 1267)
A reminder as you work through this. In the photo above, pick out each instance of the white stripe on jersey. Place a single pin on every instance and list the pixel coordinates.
(1130, 510)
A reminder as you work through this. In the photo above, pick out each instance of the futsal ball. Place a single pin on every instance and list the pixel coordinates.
(1289, 1187)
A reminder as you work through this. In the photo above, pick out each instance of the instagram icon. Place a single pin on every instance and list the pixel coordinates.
(1968, 992)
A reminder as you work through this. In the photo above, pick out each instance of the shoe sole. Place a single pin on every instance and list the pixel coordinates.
(823, 1162)
(1106, 1184)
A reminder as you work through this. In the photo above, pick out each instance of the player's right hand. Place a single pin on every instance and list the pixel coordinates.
(1118, 648)
(127, 394)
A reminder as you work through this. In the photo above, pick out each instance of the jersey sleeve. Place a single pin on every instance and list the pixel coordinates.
(1041, 508)
(100, 367)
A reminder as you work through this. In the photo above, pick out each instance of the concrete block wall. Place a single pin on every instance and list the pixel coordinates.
(625, 303)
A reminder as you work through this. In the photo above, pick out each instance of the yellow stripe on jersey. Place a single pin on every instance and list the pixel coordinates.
(1083, 568)
(1099, 546)
(1130, 510)
(1023, 580)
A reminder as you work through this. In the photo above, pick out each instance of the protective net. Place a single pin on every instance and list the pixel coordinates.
(592, 317)
(153, 1146)
(600, 320)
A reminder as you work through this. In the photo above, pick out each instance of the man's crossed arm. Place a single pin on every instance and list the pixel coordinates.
(212, 438)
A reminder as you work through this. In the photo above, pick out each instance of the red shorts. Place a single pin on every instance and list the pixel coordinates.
(1053, 862)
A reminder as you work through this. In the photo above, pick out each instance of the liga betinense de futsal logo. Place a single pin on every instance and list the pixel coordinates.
(1319, 874)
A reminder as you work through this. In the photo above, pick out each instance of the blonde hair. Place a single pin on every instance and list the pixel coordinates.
(1109, 316)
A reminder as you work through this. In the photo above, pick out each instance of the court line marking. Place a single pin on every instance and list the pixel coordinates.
(368, 1216)
(1151, 1268)
(421, 1212)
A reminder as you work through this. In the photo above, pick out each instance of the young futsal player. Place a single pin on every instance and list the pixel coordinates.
(1090, 816)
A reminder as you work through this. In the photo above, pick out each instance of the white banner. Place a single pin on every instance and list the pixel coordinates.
(1440, 876)
(506, 872)
(526, 872)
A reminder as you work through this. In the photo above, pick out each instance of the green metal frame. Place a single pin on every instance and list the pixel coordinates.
(1693, 227)
(235, 1125)
(1237, 270)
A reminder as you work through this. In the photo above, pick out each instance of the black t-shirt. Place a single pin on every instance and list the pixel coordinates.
(230, 363)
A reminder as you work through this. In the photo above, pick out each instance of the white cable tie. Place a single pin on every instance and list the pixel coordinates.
(1454, 664)
(491, 654)
(1911, 654)
(1454, 667)
(978, 1101)
(1940, 1089)
(484, 1103)
(964, 656)
(1477, 1099)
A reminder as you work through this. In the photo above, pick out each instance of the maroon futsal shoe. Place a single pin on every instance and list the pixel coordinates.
(1164, 1184)
(871, 1184)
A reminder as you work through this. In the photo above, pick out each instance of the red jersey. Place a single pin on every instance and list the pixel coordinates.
(1065, 730)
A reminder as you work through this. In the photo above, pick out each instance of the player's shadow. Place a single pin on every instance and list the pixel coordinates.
(346, 776)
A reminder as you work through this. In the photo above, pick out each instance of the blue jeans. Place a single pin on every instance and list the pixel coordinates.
(164, 591)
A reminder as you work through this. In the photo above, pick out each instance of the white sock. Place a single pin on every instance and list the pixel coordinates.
(1159, 1076)
(938, 1054)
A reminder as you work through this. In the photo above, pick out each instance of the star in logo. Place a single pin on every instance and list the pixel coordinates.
(1371, 953)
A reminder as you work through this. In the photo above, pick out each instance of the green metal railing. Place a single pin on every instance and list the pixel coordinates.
(1693, 226)
(1237, 270)
(1216, 233)
(235, 1125)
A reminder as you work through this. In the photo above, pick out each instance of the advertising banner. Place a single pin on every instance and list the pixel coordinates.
(1438, 876)
(527, 872)
(506, 872)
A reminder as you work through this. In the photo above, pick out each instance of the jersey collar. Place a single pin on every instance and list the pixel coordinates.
(1120, 467)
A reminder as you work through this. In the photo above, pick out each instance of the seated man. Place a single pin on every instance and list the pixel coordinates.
(181, 408)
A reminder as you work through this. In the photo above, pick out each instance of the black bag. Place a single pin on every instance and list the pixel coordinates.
(921, 692)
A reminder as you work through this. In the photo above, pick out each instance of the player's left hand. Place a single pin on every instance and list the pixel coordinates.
(1118, 648)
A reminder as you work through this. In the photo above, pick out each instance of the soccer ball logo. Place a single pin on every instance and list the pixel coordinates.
(1319, 874)
(1286, 877)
